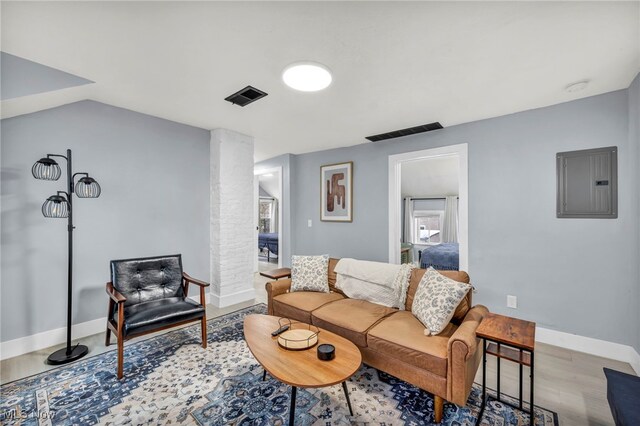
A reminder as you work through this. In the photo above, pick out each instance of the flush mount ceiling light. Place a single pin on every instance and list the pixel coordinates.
(577, 86)
(307, 76)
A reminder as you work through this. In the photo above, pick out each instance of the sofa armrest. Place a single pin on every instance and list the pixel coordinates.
(464, 356)
(275, 288)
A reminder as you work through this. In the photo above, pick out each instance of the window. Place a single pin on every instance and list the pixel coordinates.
(264, 225)
(427, 226)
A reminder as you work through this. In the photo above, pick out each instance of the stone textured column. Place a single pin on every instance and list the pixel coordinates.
(232, 222)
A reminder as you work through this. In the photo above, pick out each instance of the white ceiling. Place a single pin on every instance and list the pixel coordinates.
(394, 64)
(270, 184)
(431, 177)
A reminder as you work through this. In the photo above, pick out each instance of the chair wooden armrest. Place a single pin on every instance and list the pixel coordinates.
(189, 279)
(114, 294)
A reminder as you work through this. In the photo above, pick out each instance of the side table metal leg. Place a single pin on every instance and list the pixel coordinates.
(346, 394)
(292, 410)
(484, 369)
(498, 368)
(531, 413)
(264, 375)
(484, 381)
(520, 381)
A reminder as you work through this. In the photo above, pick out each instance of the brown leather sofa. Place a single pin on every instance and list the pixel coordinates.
(392, 340)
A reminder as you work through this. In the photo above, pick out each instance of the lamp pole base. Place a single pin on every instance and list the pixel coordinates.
(61, 356)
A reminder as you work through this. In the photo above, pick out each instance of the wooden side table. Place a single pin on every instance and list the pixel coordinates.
(512, 339)
(276, 274)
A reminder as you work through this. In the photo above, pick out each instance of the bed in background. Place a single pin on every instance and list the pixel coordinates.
(270, 242)
(444, 257)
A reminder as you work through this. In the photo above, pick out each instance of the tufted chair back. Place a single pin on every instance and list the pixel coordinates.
(146, 279)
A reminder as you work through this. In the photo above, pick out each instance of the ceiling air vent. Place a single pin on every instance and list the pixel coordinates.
(245, 96)
(405, 132)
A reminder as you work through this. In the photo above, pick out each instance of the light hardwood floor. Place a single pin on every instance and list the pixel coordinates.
(567, 382)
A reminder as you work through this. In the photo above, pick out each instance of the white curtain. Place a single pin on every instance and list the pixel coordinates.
(273, 225)
(450, 225)
(407, 232)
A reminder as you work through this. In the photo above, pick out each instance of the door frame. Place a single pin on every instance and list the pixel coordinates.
(395, 197)
(256, 174)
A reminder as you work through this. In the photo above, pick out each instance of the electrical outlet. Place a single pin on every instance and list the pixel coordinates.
(309, 223)
(512, 302)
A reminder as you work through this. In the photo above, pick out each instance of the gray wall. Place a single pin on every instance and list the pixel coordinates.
(634, 140)
(155, 200)
(284, 161)
(21, 77)
(573, 275)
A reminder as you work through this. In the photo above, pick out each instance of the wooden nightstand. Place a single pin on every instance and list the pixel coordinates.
(512, 339)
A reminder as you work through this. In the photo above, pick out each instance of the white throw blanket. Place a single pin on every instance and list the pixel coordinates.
(376, 282)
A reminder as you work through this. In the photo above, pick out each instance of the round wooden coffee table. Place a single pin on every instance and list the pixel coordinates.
(300, 368)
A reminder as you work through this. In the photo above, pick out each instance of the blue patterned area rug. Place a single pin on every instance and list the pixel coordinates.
(170, 379)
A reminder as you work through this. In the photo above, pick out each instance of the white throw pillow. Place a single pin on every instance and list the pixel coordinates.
(310, 273)
(436, 300)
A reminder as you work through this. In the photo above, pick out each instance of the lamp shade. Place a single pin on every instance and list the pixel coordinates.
(46, 169)
(56, 206)
(87, 187)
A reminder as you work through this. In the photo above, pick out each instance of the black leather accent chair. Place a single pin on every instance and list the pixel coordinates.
(150, 294)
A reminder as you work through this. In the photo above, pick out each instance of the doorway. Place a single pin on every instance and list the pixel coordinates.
(268, 218)
(432, 208)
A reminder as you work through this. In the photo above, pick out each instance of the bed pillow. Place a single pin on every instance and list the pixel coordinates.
(436, 300)
(310, 273)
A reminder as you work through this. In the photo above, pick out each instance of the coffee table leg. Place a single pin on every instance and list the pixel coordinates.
(346, 394)
(264, 375)
(292, 410)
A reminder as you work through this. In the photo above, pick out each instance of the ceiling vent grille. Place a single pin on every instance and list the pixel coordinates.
(245, 96)
(405, 132)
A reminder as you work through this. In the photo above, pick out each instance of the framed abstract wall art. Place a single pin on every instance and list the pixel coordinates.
(336, 192)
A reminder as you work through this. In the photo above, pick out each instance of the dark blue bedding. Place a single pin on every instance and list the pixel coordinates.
(444, 257)
(269, 241)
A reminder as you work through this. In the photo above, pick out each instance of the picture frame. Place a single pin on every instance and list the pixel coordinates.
(336, 192)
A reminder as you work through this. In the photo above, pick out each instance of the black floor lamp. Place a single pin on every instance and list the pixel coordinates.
(60, 206)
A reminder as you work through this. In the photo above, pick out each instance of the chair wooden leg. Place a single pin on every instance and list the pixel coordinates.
(107, 340)
(120, 357)
(204, 331)
(438, 408)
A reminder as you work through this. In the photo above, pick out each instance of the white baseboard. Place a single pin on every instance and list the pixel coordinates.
(232, 299)
(591, 346)
(635, 361)
(45, 339)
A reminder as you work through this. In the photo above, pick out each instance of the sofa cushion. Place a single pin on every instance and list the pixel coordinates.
(403, 336)
(350, 318)
(460, 276)
(299, 304)
(310, 273)
(436, 300)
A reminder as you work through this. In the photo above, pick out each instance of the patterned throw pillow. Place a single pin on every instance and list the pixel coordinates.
(310, 273)
(436, 300)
